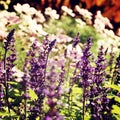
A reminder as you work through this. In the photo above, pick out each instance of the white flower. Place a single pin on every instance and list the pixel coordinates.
(68, 11)
(25, 8)
(18, 8)
(18, 74)
(101, 22)
(107, 42)
(85, 13)
(52, 13)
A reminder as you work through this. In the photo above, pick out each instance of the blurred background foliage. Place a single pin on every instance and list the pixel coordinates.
(38, 18)
(108, 8)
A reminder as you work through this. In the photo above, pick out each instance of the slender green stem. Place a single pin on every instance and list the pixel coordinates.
(25, 109)
(46, 66)
(84, 90)
(68, 70)
(69, 94)
(6, 84)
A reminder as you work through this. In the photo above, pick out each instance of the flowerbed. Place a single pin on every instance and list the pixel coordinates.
(60, 77)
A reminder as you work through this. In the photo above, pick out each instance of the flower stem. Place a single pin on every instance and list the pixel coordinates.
(6, 84)
(83, 112)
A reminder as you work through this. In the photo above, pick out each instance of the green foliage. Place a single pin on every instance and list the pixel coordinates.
(21, 49)
(116, 112)
(116, 100)
(70, 27)
(1, 50)
(32, 94)
(115, 87)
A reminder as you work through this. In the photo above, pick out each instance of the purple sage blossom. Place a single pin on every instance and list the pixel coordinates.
(35, 74)
(53, 91)
(116, 72)
(76, 40)
(98, 93)
(6, 67)
(85, 71)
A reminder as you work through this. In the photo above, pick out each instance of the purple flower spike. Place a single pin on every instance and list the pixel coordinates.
(86, 70)
(85, 66)
(51, 45)
(76, 40)
(9, 38)
(6, 72)
(52, 92)
(98, 93)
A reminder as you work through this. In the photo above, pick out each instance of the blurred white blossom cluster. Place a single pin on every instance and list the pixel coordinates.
(86, 15)
(102, 26)
(52, 13)
(31, 19)
(100, 22)
(7, 19)
(30, 11)
(30, 22)
(3, 22)
(68, 11)
(109, 38)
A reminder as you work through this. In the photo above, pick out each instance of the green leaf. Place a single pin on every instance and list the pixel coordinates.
(117, 117)
(115, 87)
(32, 94)
(117, 99)
(12, 82)
(5, 113)
(76, 90)
(116, 109)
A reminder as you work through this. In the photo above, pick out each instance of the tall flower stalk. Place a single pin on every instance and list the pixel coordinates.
(36, 62)
(53, 93)
(8, 64)
(1, 85)
(85, 72)
(37, 77)
(97, 91)
(71, 57)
